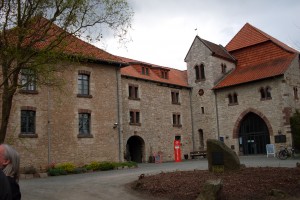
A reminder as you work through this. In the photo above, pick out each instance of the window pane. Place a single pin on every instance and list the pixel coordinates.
(84, 123)
(27, 121)
(83, 84)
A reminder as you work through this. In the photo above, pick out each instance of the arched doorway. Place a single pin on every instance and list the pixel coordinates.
(253, 135)
(135, 149)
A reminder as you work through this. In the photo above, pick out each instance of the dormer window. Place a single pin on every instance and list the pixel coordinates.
(145, 70)
(164, 74)
(223, 66)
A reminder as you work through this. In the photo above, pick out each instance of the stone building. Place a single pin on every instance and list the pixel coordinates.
(114, 109)
(247, 91)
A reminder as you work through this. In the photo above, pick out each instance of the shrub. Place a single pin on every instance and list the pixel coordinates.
(93, 166)
(56, 172)
(68, 167)
(79, 170)
(106, 166)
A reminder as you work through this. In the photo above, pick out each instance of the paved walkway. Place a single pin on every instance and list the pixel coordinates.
(111, 185)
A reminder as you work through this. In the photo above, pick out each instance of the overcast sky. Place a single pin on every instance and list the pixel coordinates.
(163, 30)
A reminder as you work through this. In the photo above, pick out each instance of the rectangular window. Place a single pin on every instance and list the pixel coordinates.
(175, 97)
(202, 110)
(176, 120)
(296, 93)
(28, 80)
(133, 92)
(164, 74)
(84, 123)
(27, 122)
(145, 70)
(135, 118)
(83, 84)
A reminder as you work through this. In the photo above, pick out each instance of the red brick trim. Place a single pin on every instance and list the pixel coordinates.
(84, 111)
(236, 128)
(28, 108)
(84, 72)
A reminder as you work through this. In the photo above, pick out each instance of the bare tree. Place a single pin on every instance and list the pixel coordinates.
(36, 33)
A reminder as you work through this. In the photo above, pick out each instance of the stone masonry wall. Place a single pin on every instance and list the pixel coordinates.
(62, 110)
(156, 109)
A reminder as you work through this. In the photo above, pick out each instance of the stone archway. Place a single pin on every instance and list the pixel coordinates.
(253, 135)
(135, 149)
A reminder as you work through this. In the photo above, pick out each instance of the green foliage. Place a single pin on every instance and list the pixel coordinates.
(104, 166)
(56, 172)
(295, 127)
(79, 170)
(93, 166)
(68, 167)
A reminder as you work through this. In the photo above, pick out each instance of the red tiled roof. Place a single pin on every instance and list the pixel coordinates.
(175, 77)
(70, 44)
(250, 35)
(270, 68)
(259, 56)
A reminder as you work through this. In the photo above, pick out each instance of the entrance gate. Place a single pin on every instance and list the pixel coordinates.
(253, 135)
(135, 149)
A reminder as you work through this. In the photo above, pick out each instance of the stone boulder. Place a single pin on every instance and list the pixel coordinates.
(212, 190)
(218, 152)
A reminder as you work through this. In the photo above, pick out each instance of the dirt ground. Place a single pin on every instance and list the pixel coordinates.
(247, 183)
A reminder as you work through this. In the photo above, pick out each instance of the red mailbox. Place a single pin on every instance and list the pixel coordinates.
(177, 151)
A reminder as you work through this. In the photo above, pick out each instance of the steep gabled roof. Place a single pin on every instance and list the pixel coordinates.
(259, 56)
(250, 35)
(175, 77)
(216, 50)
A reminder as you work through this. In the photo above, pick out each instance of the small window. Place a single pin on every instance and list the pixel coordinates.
(84, 123)
(232, 99)
(200, 73)
(164, 74)
(175, 97)
(265, 93)
(83, 84)
(145, 70)
(134, 118)
(202, 110)
(176, 120)
(295, 92)
(27, 122)
(28, 80)
(133, 92)
(224, 70)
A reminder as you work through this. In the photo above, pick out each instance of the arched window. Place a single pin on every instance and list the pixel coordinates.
(265, 93)
(235, 99)
(230, 99)
(262, 93)
(200, 73)
(268, 93)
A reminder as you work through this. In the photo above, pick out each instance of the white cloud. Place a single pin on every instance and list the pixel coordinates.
(163, 30)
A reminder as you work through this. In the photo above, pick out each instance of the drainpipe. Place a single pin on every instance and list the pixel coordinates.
(119, 114)
(192, 119)
(48, 126)
(217, 114)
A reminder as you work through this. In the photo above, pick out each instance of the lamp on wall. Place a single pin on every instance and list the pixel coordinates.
(115, 125)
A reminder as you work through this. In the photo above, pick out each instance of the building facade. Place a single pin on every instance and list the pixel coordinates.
(114, 109)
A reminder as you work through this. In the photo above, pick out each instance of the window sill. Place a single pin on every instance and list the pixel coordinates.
(28, 135)
(199, 80)
(84, 96)
(264, 99)
(28, 91)
(177, 125)
(176, 103)
(233, 104)
(135, 124)
(85, 136)
(132, 98)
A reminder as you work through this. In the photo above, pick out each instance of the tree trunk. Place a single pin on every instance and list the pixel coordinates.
(7, 98)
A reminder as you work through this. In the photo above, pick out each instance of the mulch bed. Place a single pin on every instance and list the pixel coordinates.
(246, 183)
